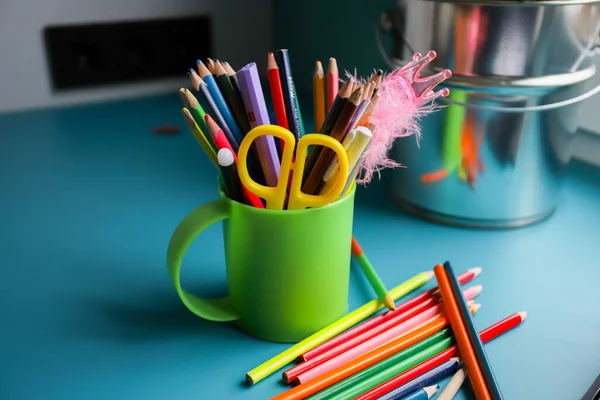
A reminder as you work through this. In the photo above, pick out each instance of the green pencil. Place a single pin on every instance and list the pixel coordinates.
(372, 276)
(232, 97)
(195, 109)
(397, 369)
(375, 369)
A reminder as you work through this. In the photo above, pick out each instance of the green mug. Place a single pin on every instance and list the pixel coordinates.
(287, 270)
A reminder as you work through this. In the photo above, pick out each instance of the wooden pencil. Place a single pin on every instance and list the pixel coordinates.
(197, 112)
(210, 64)
(377, 79)
(220, 102)
(292, 107)
(276, 92)
(201, 136)
(232, 97)
(314, 181)
(319, 96)
(474, 339)
(333, 79)
(460, 333)
(330, 119)
(233, 185)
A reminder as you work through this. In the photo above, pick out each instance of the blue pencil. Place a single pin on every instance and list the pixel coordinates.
(289, 94)
(484, 364)
(423, 394)
(428, 378)
(211, 108)
(219, 100)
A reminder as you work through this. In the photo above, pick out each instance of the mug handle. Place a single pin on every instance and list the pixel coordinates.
(193, 224)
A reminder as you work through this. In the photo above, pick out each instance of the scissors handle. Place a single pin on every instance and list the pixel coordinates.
(274, 196)
(299, 199)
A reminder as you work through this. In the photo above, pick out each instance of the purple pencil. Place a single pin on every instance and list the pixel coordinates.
(254, 102)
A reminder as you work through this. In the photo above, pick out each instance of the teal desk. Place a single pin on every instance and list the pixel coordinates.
(89, 198)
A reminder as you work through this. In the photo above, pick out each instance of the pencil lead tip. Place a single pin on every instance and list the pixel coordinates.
(477, 289)
(523, 315)
(476, 271)
(389, 302)
(431, 390)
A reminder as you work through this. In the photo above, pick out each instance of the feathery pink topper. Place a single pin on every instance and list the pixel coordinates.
(403, 99)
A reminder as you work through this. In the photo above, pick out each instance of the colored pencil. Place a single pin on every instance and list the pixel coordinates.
(233, 185)
(424, 394)
(281, 117)
(453, 386)
(333, 80)
(366, 360)
(319, 96)
(222, 143)
(220, 102)
(364, 343)
(362, 139)
(432, 376)
(200, 137)
(355, 387)
(314, 181)
(364, 103)
(191, 103)
(462, 339)
(486, 335)
(210, 64)
(232, 98)
(289, 94)
(371, 275)
(270, 366)
(378, 78)
(474, 340)
(463, 278)
(256, 110)
(211, 106)
(330, 118)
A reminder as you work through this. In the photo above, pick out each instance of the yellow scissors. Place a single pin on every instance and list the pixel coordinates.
(276, 196)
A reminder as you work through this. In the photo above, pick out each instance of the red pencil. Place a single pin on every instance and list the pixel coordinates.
(222, 143)
(299, 369)
(486, 335)
(463, 278)
(277, 94)
(332, 82)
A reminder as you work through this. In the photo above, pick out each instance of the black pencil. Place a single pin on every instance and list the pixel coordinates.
(289, 94)
(232, 97)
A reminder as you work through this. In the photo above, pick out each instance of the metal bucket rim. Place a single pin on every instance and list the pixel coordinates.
(540, 82)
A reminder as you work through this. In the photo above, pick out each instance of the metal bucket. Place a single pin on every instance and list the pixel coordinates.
(494, 156)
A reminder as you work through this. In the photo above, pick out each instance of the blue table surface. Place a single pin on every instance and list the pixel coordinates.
(89, 198)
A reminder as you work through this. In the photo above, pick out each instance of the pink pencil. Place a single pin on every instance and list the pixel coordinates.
(371, 344)
(424, 311)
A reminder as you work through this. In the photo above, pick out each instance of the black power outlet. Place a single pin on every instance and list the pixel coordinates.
(117, 52)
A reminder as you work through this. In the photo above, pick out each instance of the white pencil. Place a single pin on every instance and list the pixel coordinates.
(453, 385)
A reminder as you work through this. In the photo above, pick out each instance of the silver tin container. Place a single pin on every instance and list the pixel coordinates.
(494, 156)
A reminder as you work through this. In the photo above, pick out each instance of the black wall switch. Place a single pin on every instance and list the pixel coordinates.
(107, 53)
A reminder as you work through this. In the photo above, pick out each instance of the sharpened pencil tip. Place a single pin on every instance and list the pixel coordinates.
(431, 390)
(476, 271)
(389, 302)
(523, 315)
(430, 274)
(476, 307)
(477, 289)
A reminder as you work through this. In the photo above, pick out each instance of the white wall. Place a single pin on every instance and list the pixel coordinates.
(242, 32)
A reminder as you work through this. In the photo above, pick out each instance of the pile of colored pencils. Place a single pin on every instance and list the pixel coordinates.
(399, 354)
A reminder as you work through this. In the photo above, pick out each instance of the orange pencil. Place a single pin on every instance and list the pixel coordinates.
(333, 82)
(460, 334)
(366, 360)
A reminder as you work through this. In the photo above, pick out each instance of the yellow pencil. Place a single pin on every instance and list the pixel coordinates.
(319, 96)
(199, 135)
(282, 359)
